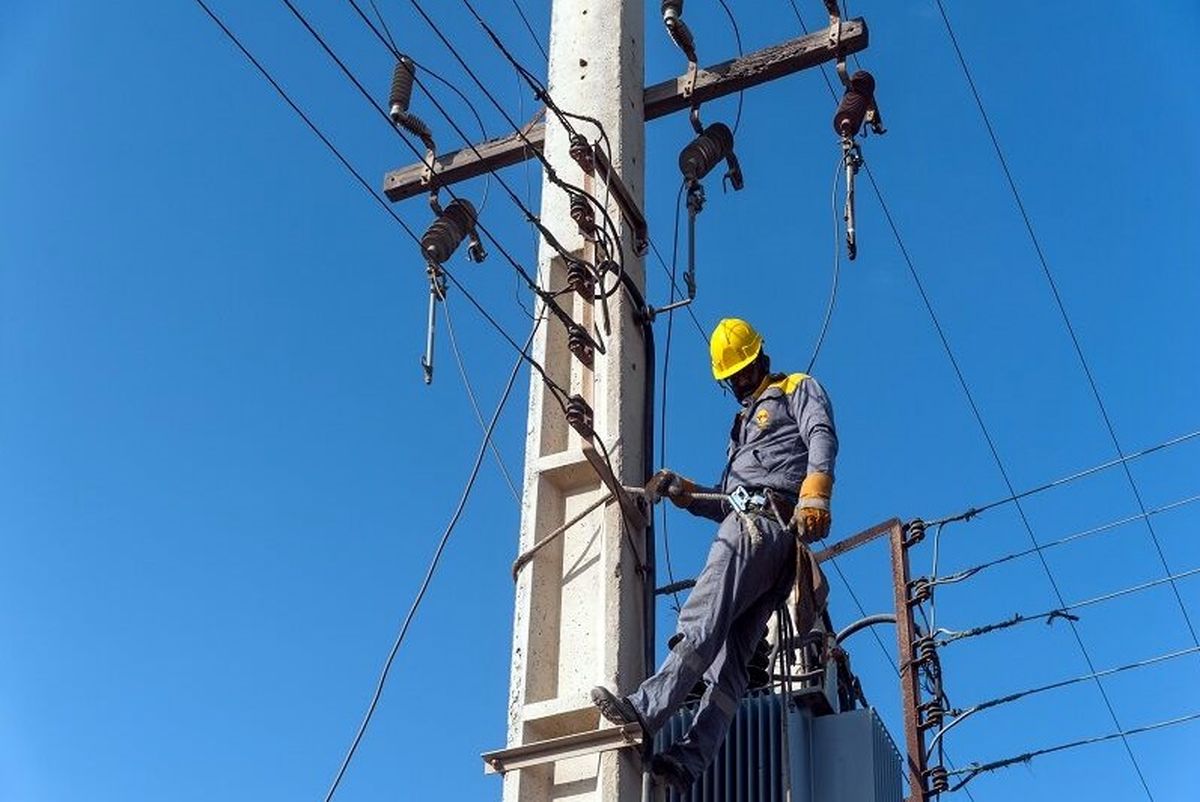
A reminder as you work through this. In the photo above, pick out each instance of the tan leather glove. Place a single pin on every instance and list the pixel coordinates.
(667, 483)
(811, 517)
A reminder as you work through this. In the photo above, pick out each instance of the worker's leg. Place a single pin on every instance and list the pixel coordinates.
(728, 676)
(739, 570)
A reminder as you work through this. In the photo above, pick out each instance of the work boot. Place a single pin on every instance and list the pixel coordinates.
(671, 772)
(616, 709)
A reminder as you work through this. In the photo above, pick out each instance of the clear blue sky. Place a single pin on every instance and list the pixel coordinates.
(221, 476)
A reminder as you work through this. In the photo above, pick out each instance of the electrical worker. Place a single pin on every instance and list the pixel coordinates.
(779, 479)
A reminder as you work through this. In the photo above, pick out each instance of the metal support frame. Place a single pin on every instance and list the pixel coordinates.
(900, 541)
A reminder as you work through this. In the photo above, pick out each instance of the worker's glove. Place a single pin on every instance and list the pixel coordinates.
(812, 518)
(670, 484)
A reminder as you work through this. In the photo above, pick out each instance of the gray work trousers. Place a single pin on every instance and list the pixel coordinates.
(746, 577)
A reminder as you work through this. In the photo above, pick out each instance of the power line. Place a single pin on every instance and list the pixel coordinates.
(466, 380)
(1062, 309)
(433, 564)
(984, 431)
(1060, 612)
(975, 770)
(974, 511)
(737, 38)
(967, 573)
(545, 296)
(837, 267)
(1013, 697)
(537, 40)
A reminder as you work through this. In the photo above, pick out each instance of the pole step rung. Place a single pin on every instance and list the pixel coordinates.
(591, 742)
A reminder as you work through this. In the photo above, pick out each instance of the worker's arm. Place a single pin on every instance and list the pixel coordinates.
(814, 415)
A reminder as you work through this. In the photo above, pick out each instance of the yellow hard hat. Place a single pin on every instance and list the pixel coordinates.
(734, 345)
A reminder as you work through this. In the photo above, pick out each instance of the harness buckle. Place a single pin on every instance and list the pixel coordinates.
(746, 502)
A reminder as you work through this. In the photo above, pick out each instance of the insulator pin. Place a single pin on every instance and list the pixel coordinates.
(857, 101)
(920, 591)
(705, 152)
(579, 416)
(402, 87)
(453, 225)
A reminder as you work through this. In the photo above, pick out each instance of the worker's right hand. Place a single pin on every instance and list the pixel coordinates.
(667, 483)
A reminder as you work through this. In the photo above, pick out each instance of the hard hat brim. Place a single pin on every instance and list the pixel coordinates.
(722, 375)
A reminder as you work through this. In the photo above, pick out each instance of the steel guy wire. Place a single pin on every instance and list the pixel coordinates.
(557, 391)
(983, 428)
(544, 295)
(967, 573)
(1062, 309)
(975, 770)
(466, 379)
(961, 715)
(1059, 612)
(1012, 497)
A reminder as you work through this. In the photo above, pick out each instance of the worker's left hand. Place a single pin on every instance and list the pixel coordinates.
(812, 517)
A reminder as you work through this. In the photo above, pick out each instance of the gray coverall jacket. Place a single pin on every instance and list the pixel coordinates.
(783, 433)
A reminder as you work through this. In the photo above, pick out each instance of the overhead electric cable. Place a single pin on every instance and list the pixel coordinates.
(1062, 309)
(433, 564)
(549, 302)
(960, 716)
(532, 35)
(837, 267)
(1059, 612)
(975, 770)
(557, 391)
(967, 573)
(666, 377)
(974, 511)
(987, 435)
(737, 38)
(466, 380)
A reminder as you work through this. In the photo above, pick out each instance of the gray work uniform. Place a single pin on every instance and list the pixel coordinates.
(781, 435)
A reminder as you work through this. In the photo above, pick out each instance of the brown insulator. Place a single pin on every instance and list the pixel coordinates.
(848, 119)
(448, 231)
(402, 87)
(705, 152)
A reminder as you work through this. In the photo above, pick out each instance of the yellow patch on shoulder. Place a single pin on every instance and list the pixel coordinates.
(789, 383)
(761, 418)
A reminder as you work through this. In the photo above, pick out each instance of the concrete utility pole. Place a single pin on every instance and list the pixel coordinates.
(581, 603)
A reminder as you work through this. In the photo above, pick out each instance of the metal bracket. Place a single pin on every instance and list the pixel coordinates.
(567, 746)
(629, 209)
